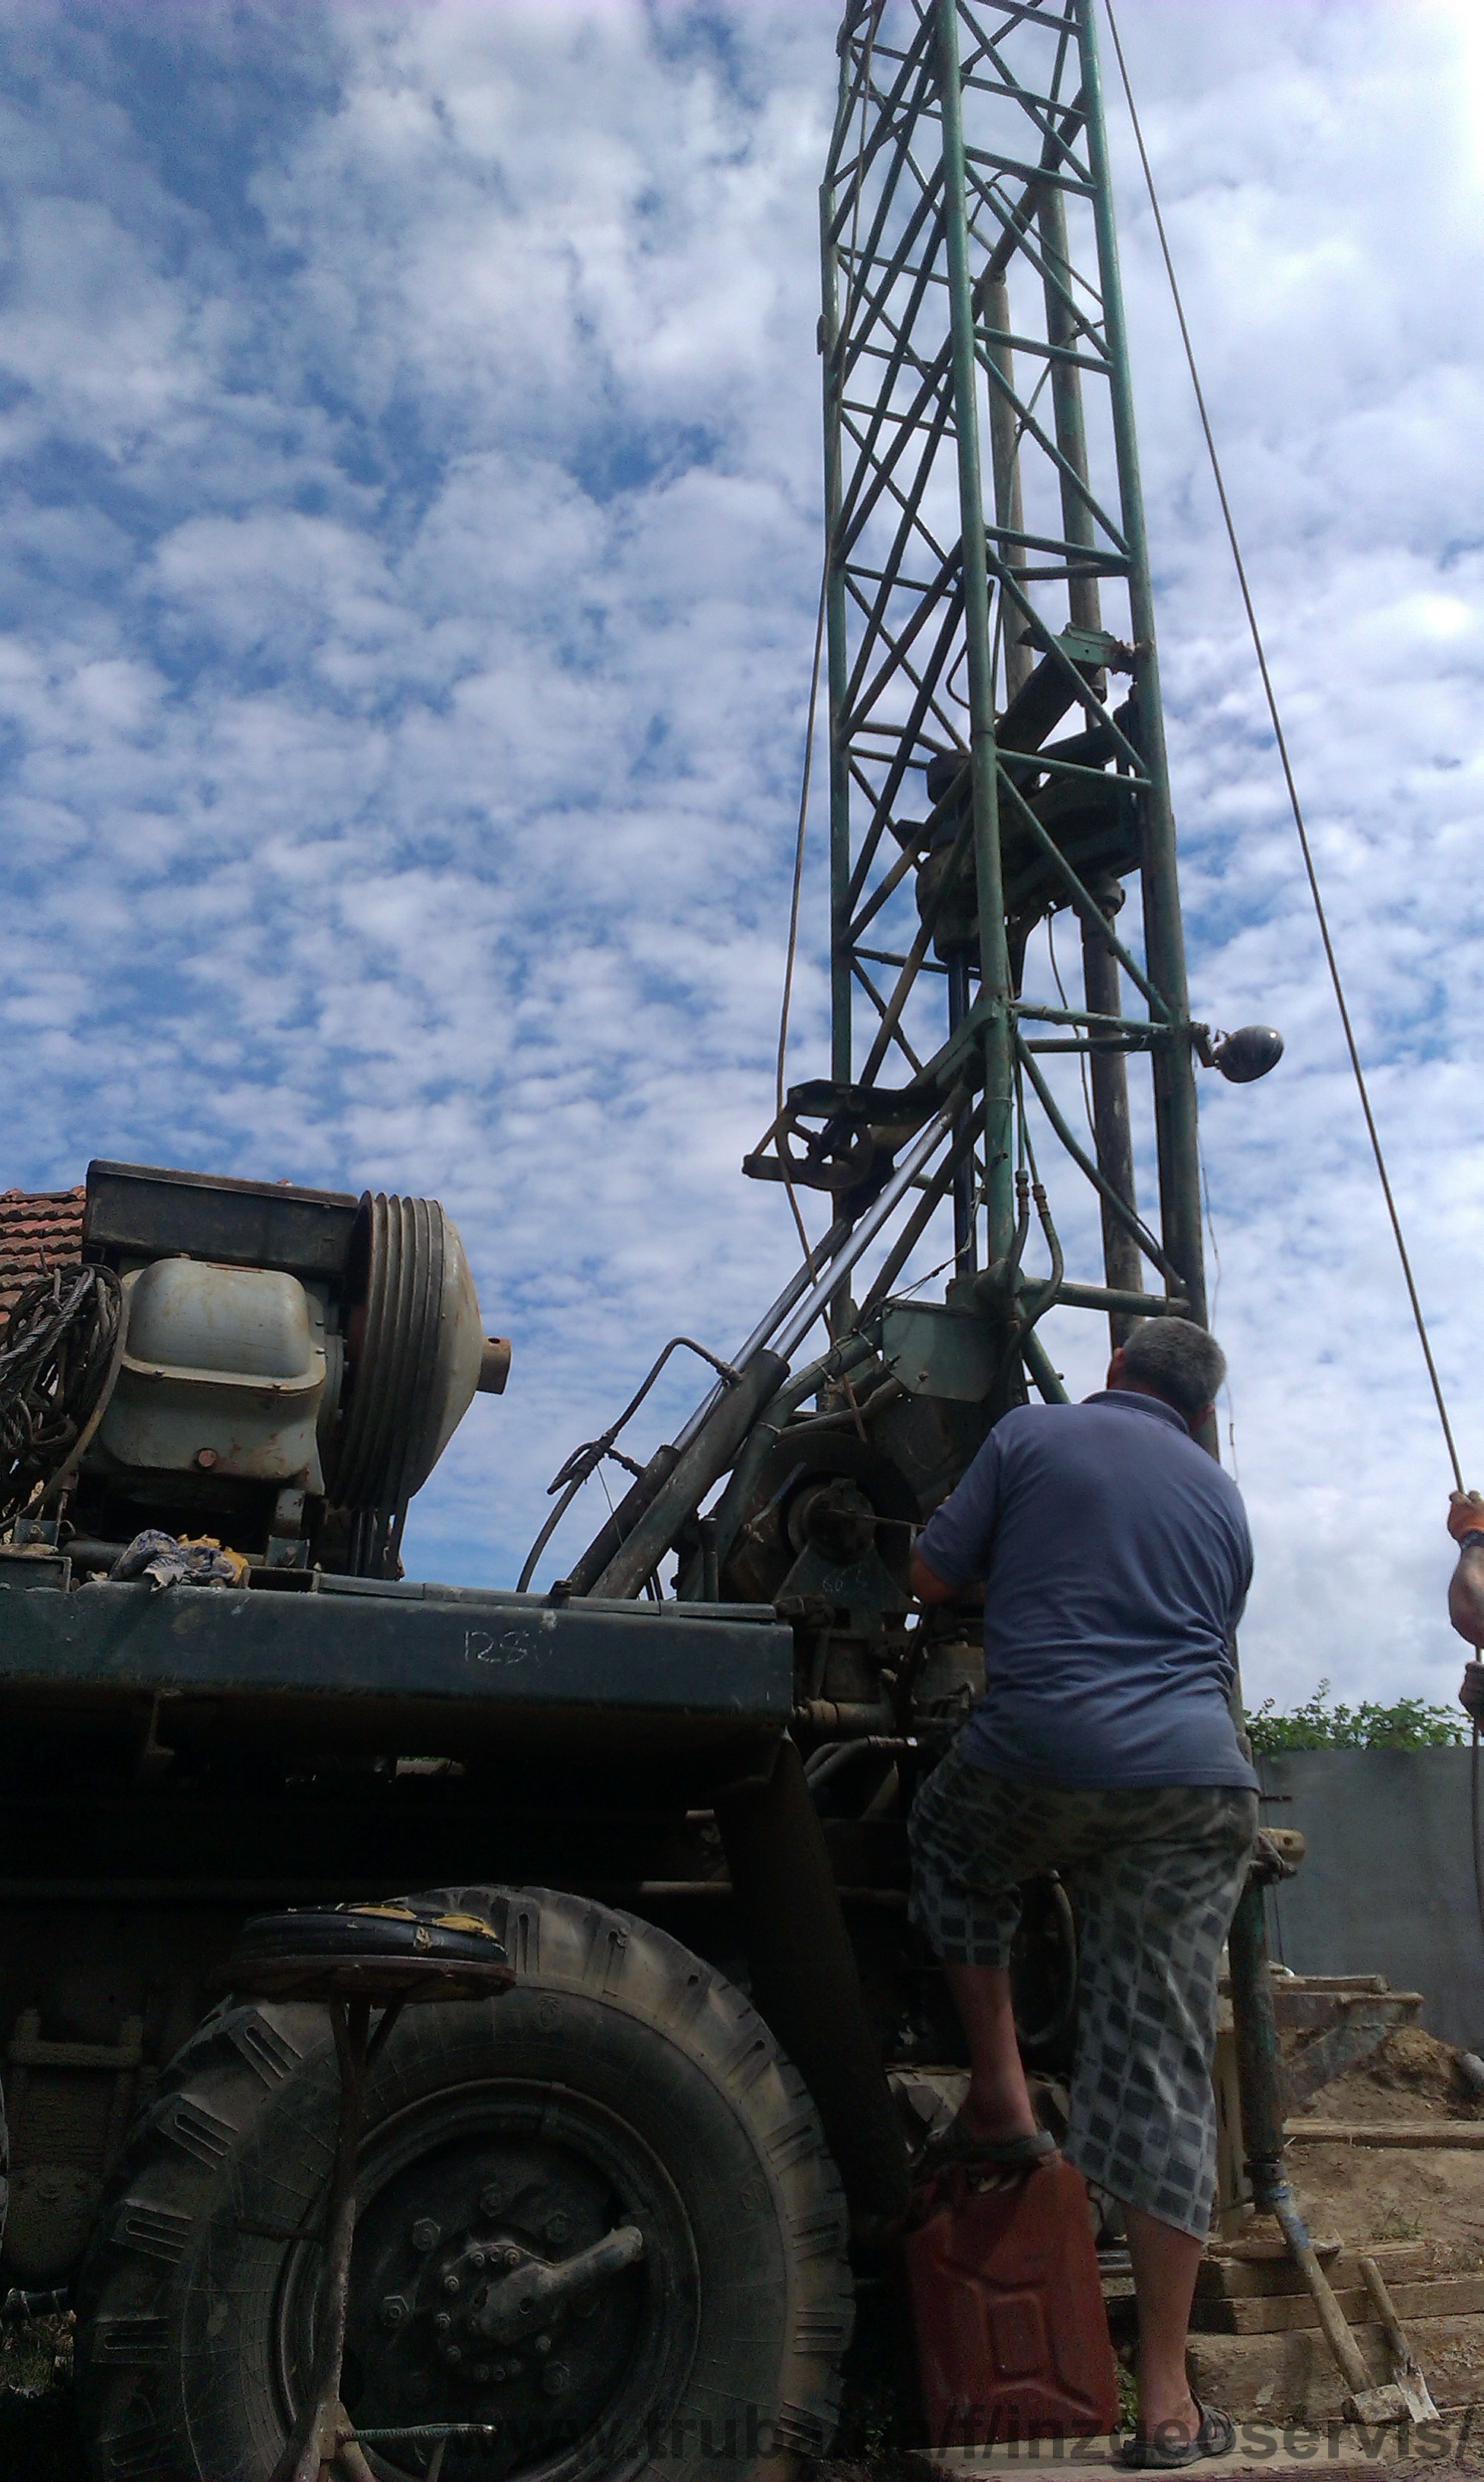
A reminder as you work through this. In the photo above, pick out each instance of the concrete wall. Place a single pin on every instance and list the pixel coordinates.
(1388, 1884)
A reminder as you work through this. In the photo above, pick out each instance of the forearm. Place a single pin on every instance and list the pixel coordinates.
(928, 1586)
(1465, 1593)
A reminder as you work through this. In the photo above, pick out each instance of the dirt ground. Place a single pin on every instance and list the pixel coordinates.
(1364, 2194)
(1348, 2195)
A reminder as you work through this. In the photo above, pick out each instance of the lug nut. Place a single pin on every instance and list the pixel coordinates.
(543, 2343)
(450, 2282)
(426, 2235)
(454, 2354)
(442, 2323)
(555, 2379)
(394, 2310)
(477, 2261)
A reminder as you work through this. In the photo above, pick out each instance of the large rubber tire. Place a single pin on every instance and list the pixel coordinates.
(623, 2078)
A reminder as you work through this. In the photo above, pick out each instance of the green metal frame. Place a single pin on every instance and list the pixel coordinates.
(987, 562)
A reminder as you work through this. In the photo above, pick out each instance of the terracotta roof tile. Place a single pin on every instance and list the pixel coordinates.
(36, 1233)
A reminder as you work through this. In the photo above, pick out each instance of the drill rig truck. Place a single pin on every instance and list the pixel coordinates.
(675, 1779)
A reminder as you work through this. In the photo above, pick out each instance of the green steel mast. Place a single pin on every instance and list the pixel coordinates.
(995, 736)
(995, 761)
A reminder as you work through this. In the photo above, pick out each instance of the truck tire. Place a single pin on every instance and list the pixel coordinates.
(622, 2080)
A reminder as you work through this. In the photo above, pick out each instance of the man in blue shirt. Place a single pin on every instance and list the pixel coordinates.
(1116, 1559)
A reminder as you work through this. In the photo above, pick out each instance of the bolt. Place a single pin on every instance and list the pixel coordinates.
(394, 2310)
(426, 2235)
(543, 2343)
(450, 2282)
(492, 2199)
(207, 1458)
(559, 2229)
(555, 2379)
(509, 2257)
(477, 2261)
(442, 2323)
(452, 2354)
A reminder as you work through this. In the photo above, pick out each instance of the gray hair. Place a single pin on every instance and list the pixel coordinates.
(1179, 1361)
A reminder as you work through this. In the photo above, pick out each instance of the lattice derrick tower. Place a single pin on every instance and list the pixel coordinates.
(996, 738)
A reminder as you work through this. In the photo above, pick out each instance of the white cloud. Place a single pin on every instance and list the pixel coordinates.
(406, 588)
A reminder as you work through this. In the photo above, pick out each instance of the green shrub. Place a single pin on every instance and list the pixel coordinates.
(1322, 1724)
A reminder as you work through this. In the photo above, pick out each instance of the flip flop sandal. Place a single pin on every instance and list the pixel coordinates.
(958, 2147)
(1217, 2437)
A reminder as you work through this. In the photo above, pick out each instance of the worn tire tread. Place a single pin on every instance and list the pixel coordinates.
(169, 2174)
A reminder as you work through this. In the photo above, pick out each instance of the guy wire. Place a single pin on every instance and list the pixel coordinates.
(1281, 738)
(1330, 959)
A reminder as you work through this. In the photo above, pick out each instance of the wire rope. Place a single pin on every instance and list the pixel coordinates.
(1310, 871)
(1477, 1757)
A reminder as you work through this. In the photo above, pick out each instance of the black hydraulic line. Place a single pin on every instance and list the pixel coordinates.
(583, 1463)
(805, 1980)
(607, 1541)
(680, 1493)
(1105, 1188)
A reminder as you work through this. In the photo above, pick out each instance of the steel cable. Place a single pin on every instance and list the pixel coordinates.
(1476, 1803)
(1281, 738)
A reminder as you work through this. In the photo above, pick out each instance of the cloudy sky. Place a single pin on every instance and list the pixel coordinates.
(408, 556)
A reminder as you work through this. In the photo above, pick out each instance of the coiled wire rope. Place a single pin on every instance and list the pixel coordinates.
(59, 1349)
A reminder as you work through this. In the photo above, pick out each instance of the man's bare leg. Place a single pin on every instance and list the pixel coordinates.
(1164, 2266)
(1164, 2259)
(998, 2104)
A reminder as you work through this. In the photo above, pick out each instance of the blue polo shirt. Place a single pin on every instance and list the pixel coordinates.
(1116, 1561)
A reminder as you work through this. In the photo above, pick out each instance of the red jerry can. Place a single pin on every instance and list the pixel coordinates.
(1012, 2337)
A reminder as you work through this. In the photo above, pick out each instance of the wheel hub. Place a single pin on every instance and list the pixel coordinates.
(517, 2278)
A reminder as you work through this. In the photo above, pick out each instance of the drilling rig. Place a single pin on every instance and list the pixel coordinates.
(656, 1783)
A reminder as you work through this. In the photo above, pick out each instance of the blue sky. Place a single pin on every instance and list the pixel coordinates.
(407, 562)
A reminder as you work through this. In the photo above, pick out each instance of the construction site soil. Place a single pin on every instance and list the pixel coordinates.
(1350, 2194)
(1435, 2197)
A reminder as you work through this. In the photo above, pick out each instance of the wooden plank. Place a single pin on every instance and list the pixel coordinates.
(1259, 2249)
(1457, 2134)
(1444, 2296)
(1221, 2278)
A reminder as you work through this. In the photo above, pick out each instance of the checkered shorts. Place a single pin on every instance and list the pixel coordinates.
(1155, 1873)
